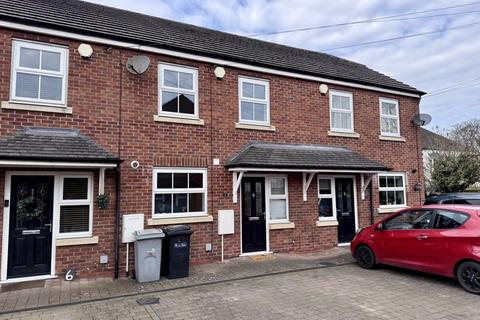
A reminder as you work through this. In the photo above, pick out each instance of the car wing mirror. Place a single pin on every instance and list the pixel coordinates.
(379, 227)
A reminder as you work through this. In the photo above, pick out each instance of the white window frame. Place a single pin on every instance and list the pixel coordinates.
(331, 195)
(78, 202)
(332, 109)
(270, 196)
(404, 188)
(266, 101)
(172, 190)
(161, 86)
(397, 117)
(63, 73)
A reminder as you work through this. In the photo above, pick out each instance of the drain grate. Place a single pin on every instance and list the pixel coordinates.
(148, 300)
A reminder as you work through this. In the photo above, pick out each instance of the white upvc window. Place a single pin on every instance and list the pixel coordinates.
(277, 198)
(326, 199)
(178, 91)
(392, 190)
(389, 117)
(179, 192)
(341, 111)
(254, 101)
(76, 206)
(39, 73)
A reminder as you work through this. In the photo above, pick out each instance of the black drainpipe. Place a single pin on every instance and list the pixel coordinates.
(117, 220)
(372, 210)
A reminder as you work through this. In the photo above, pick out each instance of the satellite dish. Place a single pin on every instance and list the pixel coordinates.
(422, 119)
(138, 64)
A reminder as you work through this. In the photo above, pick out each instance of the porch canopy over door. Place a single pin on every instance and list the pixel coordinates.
(54, 148)
(308, 159)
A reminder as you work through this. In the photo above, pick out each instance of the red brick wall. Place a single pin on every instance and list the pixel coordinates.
(116, 109)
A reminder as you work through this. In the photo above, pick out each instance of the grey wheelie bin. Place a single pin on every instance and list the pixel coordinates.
(176, 251)
(148, 254)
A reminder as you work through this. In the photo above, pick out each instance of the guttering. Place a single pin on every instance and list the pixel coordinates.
(118, 194)
(189, 56)
(304, 170)
(56, 164)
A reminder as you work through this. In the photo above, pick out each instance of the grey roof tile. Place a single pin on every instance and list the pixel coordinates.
(33, 143)
(294, 156)
(93, 19)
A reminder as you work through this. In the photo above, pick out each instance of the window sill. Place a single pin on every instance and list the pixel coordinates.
(344, 134)
(197, 122)
(327, 223)
(281, 225)
(261, 127)
(387, 138)
(36, 107)
(390, 210)
(76, 241)
(165, 221)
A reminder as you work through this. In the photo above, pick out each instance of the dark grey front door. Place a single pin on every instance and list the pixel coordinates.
(345, 202)
(30, 234)
(254, 234)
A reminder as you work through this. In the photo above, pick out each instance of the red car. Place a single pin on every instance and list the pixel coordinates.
(439, 239)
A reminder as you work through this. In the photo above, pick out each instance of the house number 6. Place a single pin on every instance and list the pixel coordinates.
(70, 274)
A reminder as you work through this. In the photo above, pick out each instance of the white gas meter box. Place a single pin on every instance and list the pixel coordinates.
(226, 222)
(131, 223)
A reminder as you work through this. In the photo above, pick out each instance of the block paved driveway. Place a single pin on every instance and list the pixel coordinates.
(337, 292)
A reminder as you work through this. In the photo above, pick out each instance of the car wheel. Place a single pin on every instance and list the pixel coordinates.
(468, 275)
(365, 257)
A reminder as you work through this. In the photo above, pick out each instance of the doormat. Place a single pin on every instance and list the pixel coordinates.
(262, 257)
(7, 287)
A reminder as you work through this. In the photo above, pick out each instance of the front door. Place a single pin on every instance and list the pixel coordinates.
(254, 235)
(30, 233)
(345, 209)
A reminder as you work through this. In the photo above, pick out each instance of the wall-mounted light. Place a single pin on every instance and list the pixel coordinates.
(416, 187)
(323, 89)
(219, 73)
(85, 51)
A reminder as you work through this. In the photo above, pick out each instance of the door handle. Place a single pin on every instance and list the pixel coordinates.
(48, 225)
(422, 237)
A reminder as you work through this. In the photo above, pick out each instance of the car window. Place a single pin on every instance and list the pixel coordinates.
(410, 220)
(467, 201)
(449, 219)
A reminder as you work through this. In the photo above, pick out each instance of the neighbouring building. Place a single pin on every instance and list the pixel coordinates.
(216, 122)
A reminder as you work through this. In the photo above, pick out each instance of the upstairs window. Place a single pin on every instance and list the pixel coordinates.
(39, 73)
(178, 96)
(341, 111)
(389, 118)
(254, 101)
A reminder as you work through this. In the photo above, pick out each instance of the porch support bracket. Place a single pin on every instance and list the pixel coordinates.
(237, 179)
(365, 180)
(307, 180)
(101, 181)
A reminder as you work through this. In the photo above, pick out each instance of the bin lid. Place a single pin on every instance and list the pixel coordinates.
(180, 229)
(148, 234)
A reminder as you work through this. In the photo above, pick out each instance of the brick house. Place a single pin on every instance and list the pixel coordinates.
(304, 147)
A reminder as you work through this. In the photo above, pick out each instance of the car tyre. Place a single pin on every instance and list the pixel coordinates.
(365, 257)
(468, 275)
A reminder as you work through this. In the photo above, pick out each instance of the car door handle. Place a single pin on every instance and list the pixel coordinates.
(422, 237)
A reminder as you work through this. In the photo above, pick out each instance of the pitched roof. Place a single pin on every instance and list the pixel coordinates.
(93, 19)
(54, 144)
(434, 141)
(295, 156)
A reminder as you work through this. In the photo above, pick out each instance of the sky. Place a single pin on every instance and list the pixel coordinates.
(432, 62)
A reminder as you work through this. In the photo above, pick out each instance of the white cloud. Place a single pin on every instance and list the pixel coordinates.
(428, 62)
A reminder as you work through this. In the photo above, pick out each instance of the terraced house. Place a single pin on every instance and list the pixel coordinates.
(304, 147)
